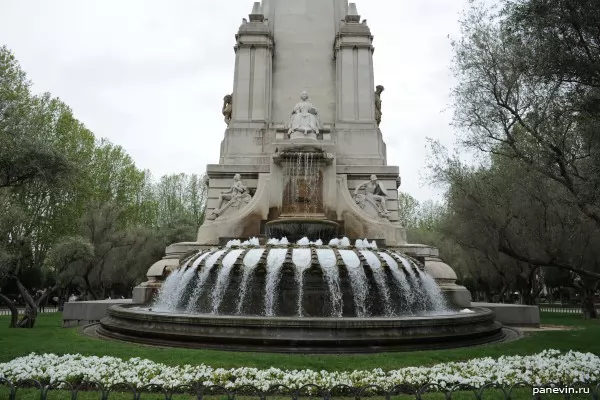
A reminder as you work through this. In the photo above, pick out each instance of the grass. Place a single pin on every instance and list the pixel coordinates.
(49, 337)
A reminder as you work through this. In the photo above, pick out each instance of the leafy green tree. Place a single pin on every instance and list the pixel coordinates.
(528, 81)
(74, 209)
(521, 221)
(408, 210)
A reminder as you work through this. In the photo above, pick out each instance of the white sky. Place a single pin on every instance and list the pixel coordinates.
(150, 75)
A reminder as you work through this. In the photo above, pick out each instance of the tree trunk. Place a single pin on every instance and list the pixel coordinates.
(28, 320)
(588, 292)
(502, 294)
(14, 313)
(32, 306)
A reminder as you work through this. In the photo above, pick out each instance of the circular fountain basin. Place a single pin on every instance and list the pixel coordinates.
(296, 228)
(300, 334)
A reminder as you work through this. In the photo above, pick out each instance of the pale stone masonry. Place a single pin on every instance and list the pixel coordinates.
(284, 48)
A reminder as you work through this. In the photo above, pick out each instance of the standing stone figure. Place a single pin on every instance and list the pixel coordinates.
(304, 118)
(378, 90)
(235, 197)
(375, 194)
(227, 108)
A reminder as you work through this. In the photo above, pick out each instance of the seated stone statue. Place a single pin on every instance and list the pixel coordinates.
(375, 194)
(235, 197)
(304, 119)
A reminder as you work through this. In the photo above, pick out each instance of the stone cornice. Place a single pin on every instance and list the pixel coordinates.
(256, 39)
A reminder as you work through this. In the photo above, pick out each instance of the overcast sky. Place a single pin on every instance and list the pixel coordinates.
(150, 75)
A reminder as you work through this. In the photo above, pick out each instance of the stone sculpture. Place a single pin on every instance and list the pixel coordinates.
(227, 108)
(235, 197)
(304, 121)
(375, 195)
(378, 90)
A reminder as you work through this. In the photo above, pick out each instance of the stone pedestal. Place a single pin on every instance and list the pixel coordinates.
(517, 315)
(80, 313)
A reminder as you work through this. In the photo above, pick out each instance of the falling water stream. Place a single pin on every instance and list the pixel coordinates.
(328, 263)
(416, 290)
(251, 260)
(275, 261)
(358, 281)
(302, 260)
(400, 280)
(223, 278)
(302, 195)
(380, 280)
(202, 277)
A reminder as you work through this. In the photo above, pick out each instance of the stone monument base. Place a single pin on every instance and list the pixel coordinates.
(517, 315)
(79, 313)
(300, 135)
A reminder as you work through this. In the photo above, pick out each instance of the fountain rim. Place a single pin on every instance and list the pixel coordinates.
(303, 219)
(125, 311)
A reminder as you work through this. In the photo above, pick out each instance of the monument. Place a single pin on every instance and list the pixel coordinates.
(302, 246)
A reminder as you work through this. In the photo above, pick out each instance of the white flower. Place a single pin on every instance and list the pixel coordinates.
(540, 369)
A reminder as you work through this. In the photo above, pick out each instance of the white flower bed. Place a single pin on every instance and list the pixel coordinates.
(550, 366)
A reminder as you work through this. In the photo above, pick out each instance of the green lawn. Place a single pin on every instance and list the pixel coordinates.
(49, 337)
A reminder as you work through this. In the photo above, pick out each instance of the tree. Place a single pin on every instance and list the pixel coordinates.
(75, 209)
(24, 155)
(408, 210)
(528, 90)
(521, 221)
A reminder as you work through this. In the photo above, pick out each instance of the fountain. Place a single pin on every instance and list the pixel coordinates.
(304, 296)
(326, 266)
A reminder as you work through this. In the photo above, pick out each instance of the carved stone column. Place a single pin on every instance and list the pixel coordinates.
(354, 63)
(253, 62)
(246, 137)
(359, 140)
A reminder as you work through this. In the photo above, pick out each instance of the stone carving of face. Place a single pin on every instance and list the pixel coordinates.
(304, 96)
(227, 98)
(373, 178)
(379, 89)
(237, 177)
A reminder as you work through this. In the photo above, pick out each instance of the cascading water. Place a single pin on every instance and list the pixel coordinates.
(434, 293)
(328, 262)
(167, 298)
(175, 285)
(302, 260)
(363, 290)
(223, 278)
(380, 280)
(421, 301)
(275, 261)
(358, 281)
(197, 292)
(302, 194)
(401, 282)
(251, 260)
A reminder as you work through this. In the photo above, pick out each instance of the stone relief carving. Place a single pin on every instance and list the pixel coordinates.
(374, 195)
(227, 108)
(304, 121)
(235, 197)
(378, 90)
